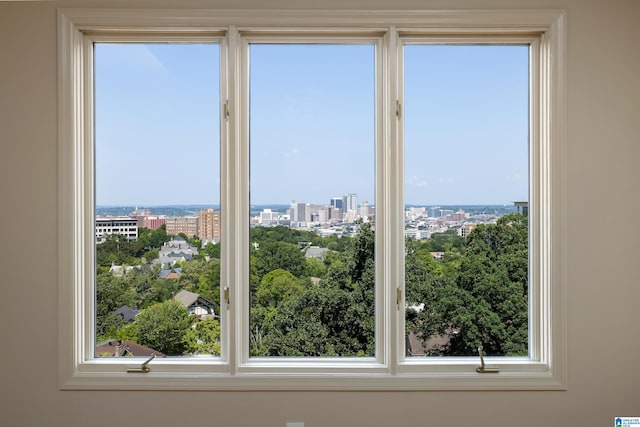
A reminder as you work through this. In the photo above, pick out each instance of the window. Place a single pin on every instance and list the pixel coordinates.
(157, 170)
(466, 140)
(315, 147)
(293, 90)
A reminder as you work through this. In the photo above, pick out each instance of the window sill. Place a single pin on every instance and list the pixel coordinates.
(461, 375)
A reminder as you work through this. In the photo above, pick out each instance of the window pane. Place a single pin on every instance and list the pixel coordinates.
(157, 199)
(466, 196)
(312, 144)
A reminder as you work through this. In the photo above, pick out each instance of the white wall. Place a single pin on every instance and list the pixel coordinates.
(603, 249)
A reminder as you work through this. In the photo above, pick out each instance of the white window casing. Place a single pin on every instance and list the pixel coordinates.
(388, 31)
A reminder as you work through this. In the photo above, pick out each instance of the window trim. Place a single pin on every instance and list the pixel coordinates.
(546, 370)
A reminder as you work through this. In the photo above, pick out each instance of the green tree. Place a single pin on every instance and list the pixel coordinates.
(316, 268)
(153, 239)
(202, 278)
(116, 249)
(442, 242)
(129, 331)
(271, 256)
(204, 337)
(164, 327)
(212, 250)
(276, 287)
(333, 318)
(111, 293)
(485, 303)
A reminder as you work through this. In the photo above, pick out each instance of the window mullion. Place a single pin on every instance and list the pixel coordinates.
(236, 185)
(393, 202)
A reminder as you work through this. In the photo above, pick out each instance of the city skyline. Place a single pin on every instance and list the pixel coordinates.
(157, 127)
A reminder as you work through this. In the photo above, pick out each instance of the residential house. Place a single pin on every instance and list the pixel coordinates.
(196, 304)
(122, 348)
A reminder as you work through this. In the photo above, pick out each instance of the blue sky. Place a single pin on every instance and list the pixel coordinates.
(312, 125)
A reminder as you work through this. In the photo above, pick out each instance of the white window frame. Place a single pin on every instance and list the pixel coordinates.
(544, 369)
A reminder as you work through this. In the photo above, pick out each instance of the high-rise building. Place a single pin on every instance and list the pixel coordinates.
(209, 224)
(327, 211)
(336, 202)
(363, 212)
(299, 212)
(350, 202)
(182, 224)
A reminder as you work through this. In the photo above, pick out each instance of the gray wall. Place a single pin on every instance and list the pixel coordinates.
(603, 252)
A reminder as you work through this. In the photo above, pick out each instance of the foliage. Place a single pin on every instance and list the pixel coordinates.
(270, 256)
(485, 302)
(204, 337)
(277, 287)
(442, 242)
(203, 278)
(316, 268)
(164, 327)
(129, 331)
(333, 318)
(112, 292)
(476, 294)
(212, 250)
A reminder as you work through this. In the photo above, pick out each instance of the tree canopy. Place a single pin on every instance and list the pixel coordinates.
(475, 294)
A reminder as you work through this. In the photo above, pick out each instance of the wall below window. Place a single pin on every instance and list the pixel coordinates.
(603, 251)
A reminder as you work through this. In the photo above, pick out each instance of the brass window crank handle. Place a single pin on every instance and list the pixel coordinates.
(482, 369)
(143, 369)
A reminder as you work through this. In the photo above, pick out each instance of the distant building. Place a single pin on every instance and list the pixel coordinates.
(336, 202)
(417, 234)
(434, 211)
(349, 202)
(139, 215)
(336, 215)
(446, 212)
(299, 212)
(466, 229)
(316, 252)
(121, 225)
(523, 208)
(173, 251)
(209, 225)
(153, 222)
(459, 216)
(267, 216)
(182, 224)
(363, 211)
(146, 219)
(327, 213)
(414, 213)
